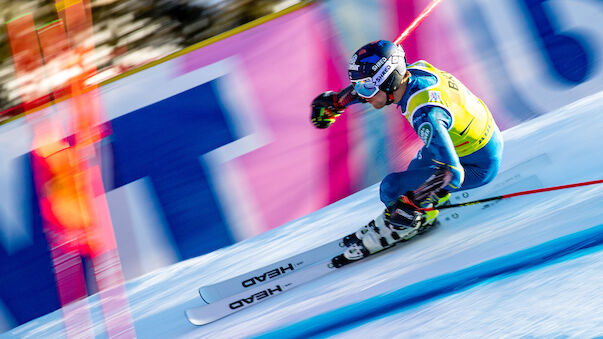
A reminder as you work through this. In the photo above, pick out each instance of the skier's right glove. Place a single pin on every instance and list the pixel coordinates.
(325, 109)
(403, 213)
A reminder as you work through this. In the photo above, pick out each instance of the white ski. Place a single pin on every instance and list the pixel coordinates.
(275, 280)
(250, 280)
(206, 314)
(268, 288)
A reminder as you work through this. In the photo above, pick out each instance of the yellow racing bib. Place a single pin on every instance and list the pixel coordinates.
(472, 125)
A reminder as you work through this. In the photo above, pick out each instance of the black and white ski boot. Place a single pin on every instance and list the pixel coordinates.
(376, 236)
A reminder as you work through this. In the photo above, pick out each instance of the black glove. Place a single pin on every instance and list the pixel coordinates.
(325, 109)
(403, 213)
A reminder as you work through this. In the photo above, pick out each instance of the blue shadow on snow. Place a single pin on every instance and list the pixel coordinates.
(375, 307)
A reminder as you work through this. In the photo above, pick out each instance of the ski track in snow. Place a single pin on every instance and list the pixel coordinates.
(561, 299)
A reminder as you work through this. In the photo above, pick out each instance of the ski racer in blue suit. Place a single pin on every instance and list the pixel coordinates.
(462, 143)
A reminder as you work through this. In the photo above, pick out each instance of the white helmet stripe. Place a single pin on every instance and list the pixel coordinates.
(383, 72)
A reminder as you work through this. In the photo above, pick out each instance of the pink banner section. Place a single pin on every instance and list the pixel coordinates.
(339, 138)
(285, 63)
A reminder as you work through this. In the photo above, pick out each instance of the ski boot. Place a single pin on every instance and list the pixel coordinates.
(373, 237)
(406, 212)
(398, 223)
(391, 226)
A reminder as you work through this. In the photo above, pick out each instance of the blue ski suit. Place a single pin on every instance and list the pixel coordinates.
(459, 133)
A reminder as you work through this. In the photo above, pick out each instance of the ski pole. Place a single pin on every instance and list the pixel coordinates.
(418, 20)
(516, 194)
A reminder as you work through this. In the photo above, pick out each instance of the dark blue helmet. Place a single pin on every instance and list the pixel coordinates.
(379, 65)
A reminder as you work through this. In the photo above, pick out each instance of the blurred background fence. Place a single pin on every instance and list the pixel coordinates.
(127, 34)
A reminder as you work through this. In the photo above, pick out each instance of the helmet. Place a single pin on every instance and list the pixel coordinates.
(379, 65)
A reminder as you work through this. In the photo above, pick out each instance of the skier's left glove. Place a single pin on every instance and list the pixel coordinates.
(325, 109)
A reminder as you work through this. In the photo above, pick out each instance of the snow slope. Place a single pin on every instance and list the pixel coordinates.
(551, 296)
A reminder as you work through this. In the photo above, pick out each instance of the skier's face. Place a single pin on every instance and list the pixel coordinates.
(379, 100)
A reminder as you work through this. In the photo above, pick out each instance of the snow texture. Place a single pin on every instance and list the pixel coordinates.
(553, 298)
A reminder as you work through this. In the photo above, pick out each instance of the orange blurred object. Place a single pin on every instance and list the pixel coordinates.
(67, 171)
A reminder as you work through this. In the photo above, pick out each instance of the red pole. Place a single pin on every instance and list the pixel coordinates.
(417, 21)
(516, 194)
(554, 188)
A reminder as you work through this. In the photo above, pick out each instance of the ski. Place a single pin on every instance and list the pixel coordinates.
(257, 293)
(206, 314)
(246, 281)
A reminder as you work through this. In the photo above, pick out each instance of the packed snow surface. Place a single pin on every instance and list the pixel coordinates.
(553, 298)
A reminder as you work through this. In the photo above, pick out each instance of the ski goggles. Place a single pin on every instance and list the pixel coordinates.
(366, 88)
(369, 87)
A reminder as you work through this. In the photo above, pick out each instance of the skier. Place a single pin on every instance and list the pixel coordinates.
(462, 143)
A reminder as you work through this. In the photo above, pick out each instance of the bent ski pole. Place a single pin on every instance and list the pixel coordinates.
(516, 194)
